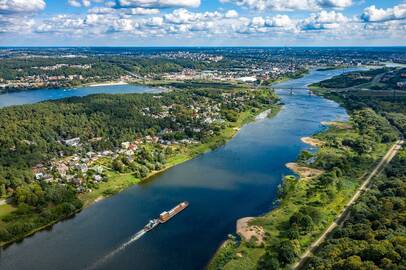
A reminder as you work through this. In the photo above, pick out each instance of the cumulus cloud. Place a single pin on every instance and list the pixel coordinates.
(275, 24)
(231, 14)
(324, 20)
(290, 5)
(157, 3)
(12, 24)
(78, 3)
(374, 14)
(21, 6)
(334, 3)
(142, 18)
(129, 11)
(280, 21)
(183, 16)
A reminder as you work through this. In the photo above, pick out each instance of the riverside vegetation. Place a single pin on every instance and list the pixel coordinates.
(373, 237)
(307, 206)
(118, 140)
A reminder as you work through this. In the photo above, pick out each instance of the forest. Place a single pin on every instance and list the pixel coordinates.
(374, 235)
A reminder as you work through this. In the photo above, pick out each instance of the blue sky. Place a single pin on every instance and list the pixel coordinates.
(202, 22)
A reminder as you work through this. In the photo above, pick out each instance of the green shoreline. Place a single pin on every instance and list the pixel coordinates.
(238, 253)
(124, 181)
(251, 252)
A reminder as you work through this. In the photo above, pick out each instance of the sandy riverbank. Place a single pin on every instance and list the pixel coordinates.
(312, 141)
(304, 172)
(248, 231)
(108, 84)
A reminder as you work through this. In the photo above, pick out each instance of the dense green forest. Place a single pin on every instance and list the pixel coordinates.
(391, 107)
(374, 235)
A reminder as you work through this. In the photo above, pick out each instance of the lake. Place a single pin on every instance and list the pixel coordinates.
(33, 96)
(237, 180)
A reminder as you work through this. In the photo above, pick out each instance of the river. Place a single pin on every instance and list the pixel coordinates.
(237, 180)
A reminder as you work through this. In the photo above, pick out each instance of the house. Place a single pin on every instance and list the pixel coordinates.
(82, 167)
(125, 145)
(133, 147)
(97, 178)
(62, 169)
(47, 178)
(98, 169)
(39, 176)
(72, 142)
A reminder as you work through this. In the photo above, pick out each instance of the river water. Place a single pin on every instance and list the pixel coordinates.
(237, 180)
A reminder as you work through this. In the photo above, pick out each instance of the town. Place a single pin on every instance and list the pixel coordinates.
(26, 69)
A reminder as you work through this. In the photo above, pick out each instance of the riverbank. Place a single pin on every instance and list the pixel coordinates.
(119, 182)
(306, 204)
(110, 83)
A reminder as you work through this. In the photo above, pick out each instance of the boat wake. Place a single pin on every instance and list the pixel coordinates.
(106, 258)
(153, 223)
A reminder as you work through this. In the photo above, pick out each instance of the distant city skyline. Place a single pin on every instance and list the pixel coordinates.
(202, 23)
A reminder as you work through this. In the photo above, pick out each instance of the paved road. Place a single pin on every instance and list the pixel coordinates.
(376, 171)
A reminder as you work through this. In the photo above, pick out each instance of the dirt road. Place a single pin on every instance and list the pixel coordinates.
(376, 171)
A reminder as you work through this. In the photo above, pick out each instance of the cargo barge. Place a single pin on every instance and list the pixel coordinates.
(165, 216)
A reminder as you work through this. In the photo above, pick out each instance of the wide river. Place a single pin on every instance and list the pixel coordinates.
(237, 180)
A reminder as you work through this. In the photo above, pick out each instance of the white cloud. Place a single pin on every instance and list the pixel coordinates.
(21, 6)
(129, 11)
(155, 21)
(141, 18)
(183, 16)
(374, 14)
(324, 20)
(157, 3)
(280, 21)
(290, 5)
(231, 14)
(143, 11)
(335, 3)
(78, 3)
(258, 22)
(11, 24)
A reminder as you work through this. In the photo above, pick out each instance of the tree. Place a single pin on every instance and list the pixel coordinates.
(286, 252)
(268, 262)
(118, 165)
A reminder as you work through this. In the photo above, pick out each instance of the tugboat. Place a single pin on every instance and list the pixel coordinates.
(151, 224)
